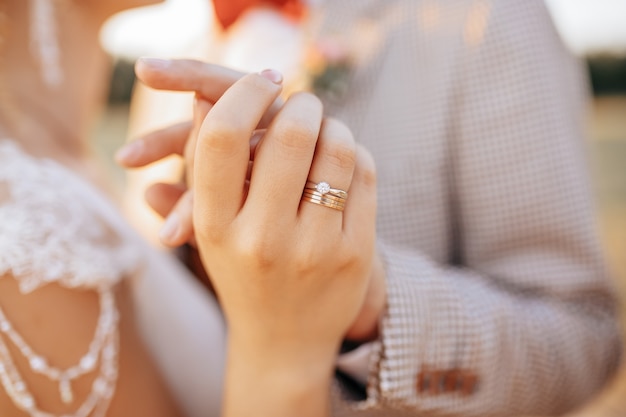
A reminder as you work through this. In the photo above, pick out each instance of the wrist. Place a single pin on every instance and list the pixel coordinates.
(276, 380)
(291, 354)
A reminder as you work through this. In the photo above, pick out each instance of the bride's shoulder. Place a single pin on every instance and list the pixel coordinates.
(24, 178)
(53, 227)
(31, 189)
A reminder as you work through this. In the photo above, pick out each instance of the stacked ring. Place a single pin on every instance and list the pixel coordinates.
(322, 194)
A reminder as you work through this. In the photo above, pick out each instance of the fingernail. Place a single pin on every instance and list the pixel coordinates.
(272, 75)
(155, 63)
(170, 228)
(129, 152)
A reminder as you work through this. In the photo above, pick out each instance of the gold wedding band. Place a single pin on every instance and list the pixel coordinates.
(322, 194)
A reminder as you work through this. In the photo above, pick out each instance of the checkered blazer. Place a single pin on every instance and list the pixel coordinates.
(498, 297)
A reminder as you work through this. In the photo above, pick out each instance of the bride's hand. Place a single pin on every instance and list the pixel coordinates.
(175, 201)
(285, 270)
(291, 275)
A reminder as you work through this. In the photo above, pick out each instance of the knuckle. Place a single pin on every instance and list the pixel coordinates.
(298, 125)
(297, 135)
(221, 136)
(258, 250)
(351, 262)
(342, 155)
(349, 258)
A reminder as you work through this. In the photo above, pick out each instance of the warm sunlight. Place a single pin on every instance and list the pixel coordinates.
(587, 26)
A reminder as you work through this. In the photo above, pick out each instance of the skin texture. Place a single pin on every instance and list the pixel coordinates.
(292, 277)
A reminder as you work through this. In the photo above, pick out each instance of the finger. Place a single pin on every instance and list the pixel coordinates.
(334, 163)
(178, 226)
(163, 197)
(282, 161)
(223, 149)
(207, 80)
(200, 110)
(154, 146)
(359, 217)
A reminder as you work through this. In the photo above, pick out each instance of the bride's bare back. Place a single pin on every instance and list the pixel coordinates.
(59, 323)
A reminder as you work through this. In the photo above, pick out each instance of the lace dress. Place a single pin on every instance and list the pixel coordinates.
(57, 228)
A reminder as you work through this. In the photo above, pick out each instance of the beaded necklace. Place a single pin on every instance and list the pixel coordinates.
(103, 349)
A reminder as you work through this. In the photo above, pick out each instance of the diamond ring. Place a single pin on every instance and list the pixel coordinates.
(321, 193)
(324, 188)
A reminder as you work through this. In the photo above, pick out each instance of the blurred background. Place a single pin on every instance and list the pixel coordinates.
(595, 30)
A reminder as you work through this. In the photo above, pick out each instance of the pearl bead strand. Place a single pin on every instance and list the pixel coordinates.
(104, 347)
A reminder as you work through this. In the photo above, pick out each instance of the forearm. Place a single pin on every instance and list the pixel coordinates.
(272, 379)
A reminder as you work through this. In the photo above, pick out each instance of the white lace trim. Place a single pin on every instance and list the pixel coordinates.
(56, 228)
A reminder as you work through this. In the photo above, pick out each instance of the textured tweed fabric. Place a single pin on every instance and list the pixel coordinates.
(499, 301)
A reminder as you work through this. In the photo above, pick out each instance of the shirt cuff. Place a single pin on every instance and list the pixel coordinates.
(356, 363)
